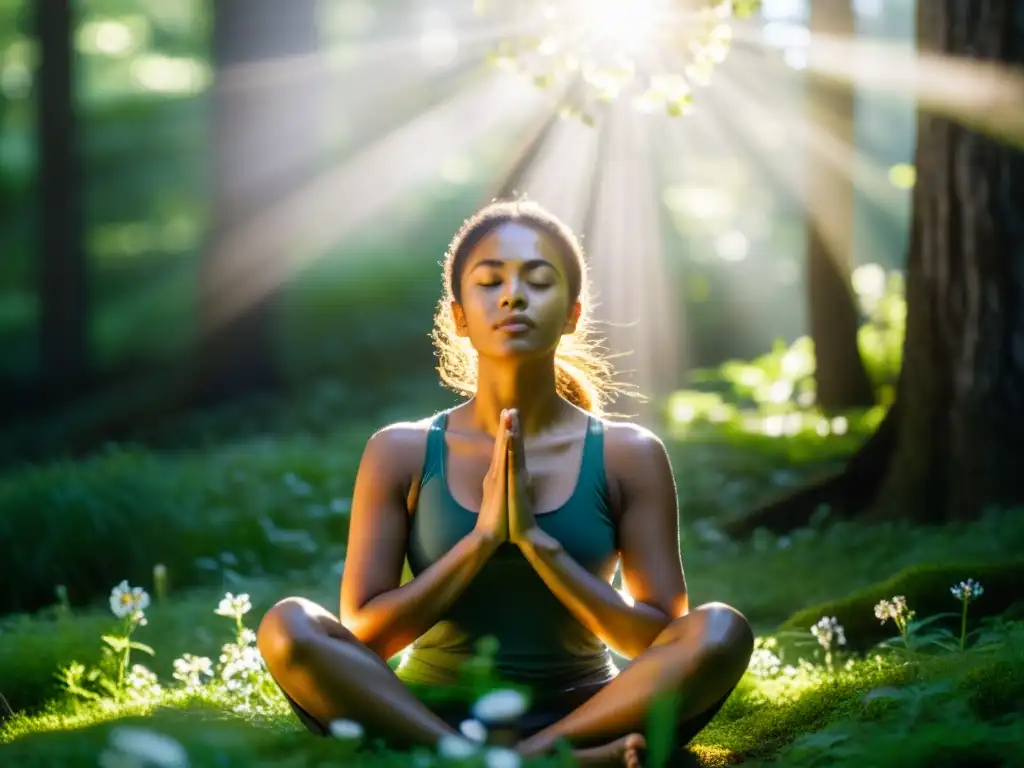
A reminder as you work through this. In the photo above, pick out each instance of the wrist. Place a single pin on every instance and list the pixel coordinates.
(483, 543)
(535, 541)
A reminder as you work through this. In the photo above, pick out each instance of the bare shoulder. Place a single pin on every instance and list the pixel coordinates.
(395, 452)
(634, 457)
(631, 443)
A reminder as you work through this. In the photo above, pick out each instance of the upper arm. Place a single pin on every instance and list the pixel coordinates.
(379, 520)
(652, 570)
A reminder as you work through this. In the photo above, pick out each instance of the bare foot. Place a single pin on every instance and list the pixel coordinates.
(627, 751)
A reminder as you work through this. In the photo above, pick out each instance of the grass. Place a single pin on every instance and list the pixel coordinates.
(951, 702)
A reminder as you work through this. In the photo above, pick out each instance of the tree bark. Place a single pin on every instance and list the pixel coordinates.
(840, 377)
(267, 140)
(63, 268)
(960, 444)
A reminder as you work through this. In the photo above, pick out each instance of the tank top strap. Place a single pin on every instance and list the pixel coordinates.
(433, 459)
(592, 465)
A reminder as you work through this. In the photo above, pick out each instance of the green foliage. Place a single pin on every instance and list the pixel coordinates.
(774, 394)
(605, 47)
(927, 591)
(773, 579)
(249, 508)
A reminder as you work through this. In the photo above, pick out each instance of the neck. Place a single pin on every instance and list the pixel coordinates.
(528, 387)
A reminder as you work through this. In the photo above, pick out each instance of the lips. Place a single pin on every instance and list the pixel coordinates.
(515, 323)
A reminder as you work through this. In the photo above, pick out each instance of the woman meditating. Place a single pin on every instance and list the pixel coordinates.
(513, 510)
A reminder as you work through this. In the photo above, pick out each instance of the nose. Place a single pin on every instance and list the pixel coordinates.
(513, 297)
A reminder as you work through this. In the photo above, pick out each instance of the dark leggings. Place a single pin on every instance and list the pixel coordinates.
(538, 718)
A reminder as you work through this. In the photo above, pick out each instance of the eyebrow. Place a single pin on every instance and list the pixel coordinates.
(530, 264)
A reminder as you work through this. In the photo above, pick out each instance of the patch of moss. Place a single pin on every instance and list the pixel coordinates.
(926, 588)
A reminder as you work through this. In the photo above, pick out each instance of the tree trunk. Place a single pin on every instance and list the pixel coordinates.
(267, 141)
(841, 379)
(63, 269)
(960, 445)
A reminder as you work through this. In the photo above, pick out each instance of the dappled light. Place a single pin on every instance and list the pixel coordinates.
(226, 227)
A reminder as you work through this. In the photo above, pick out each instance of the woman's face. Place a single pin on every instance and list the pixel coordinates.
(515, 296)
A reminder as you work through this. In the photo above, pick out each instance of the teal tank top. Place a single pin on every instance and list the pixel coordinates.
(540, 643)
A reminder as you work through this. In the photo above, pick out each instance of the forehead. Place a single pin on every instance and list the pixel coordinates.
(515, 241)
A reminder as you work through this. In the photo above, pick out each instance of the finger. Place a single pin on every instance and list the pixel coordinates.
(518, 445)
(512, 448)
(500, 452)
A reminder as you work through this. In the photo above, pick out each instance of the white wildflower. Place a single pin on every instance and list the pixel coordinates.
(191, 669)
(764, 663)
(829, 632)
(129, 602)
(143, 681)
(147, 747)
(896, 609)
(502, 757)
(500, 706)
(473, 730)
(455, 747)
(967, 590)
(346, 730)
(234, 607)
(248, 637)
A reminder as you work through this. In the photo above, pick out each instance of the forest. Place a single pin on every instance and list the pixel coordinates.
(221, 229)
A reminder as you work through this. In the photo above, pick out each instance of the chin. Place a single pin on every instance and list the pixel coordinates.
(519, 349)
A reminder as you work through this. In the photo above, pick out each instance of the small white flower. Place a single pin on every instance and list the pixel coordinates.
(967, 590)
(248, 637)
(764, 663)
(501, 706)
(455, 747)
(128, 602)
(142, 680)
(897, 610)
(829, 631)
(473, 730)
(883, 611)
(149, 747)
(233, 607)
(502, 757)
(346, 730)
(190, 669)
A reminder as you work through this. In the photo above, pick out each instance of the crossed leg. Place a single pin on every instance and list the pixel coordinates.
(325, 669)
(700, 657)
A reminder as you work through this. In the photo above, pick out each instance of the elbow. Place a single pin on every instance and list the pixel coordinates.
(374, 633)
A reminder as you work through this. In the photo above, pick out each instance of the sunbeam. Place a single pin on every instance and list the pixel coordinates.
(331, 206)
(635, 299)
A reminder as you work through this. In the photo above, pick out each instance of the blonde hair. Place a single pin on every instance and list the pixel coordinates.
(583, 374)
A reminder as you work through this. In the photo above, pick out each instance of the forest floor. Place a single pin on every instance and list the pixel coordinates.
(950, 693)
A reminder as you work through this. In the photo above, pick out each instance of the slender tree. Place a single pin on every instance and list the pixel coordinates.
(63, 269)
(840, 377)
(267, 139)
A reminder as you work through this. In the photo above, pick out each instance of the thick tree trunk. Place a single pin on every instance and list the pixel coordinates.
(267, 140)
(960, 444)
(63, 272)
(841, 379)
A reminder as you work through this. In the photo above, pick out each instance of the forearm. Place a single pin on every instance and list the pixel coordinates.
(628, 629)
(393, 620)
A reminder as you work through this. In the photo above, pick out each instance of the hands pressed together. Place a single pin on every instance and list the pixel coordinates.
(506, 512)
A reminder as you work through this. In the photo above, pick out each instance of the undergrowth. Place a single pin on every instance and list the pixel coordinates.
(925, 697)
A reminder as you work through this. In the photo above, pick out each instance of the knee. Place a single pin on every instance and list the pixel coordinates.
(727, 635)
(287, 631)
